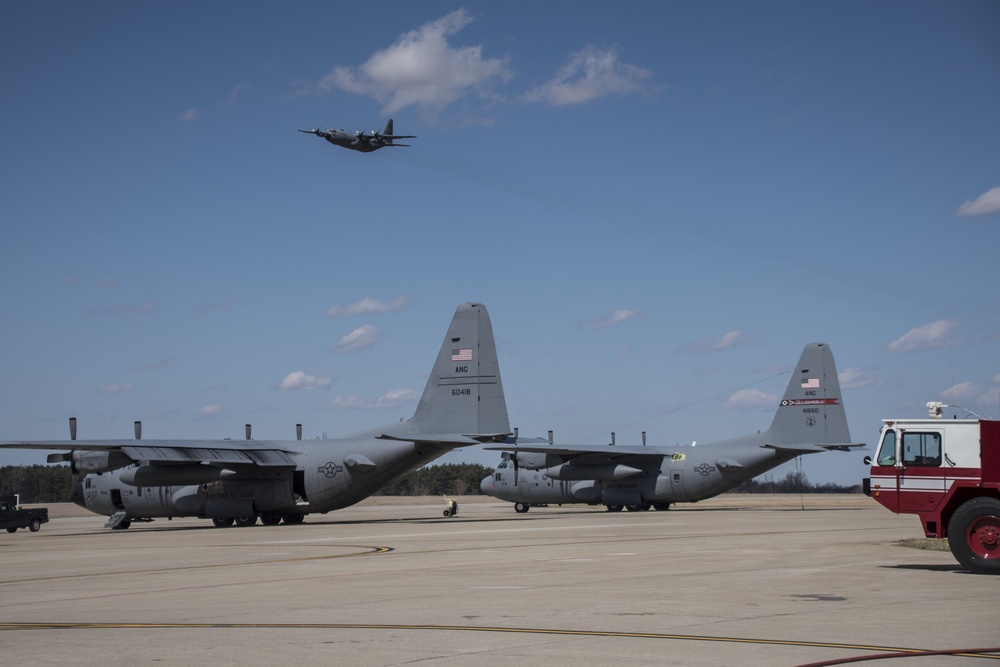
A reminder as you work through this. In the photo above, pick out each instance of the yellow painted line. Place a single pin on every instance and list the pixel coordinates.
(473, 628)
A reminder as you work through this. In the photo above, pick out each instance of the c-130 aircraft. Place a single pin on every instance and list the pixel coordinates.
(810, 418)
(231, 481)
(359, 141)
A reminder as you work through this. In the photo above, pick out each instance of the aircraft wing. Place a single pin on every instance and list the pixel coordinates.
(252, 452)
(398, 136)
(806, 448)
(448, 439)
(593, 453)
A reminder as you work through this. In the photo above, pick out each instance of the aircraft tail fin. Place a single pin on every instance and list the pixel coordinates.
(812, 410)
(464, 394)
(387, 131)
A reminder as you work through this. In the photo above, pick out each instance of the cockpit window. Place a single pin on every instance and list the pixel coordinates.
(921, 449)
(887, 452)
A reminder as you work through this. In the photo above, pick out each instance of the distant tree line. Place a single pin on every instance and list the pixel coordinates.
(37, 483)
(794, 482)
(454, 479)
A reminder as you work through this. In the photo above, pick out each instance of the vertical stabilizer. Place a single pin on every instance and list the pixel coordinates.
(812, 410)
(387, 131)
(464, 394)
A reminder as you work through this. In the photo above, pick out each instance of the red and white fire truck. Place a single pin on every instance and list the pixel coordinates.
(947, 472)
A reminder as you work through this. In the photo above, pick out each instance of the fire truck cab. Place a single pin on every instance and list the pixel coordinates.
(947, 472)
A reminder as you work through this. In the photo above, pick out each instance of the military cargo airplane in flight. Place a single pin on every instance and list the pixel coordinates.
(360, 141)
(810, 418)
(238, 481)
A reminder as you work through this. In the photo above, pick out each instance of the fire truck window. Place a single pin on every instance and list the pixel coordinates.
(887, 452)
(922, 449)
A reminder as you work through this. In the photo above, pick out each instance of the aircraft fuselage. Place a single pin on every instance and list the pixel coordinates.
(328, 475)
(682, 474)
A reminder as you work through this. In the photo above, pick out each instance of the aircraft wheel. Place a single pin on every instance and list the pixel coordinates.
(521, 508)
(638, 507)
(244, 521)
(123, 525)
(12, 529)
(270, 519)
(222, 523)
(974, 535)
(293, 519)
(615, 508)
(35, 524)
(661, 507)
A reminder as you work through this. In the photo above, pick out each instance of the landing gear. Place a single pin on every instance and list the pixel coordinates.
(615, 508)
(974, 535)
(293, 519)
(122, 525)
(661, 507)
(244, 521)
(521, 508)
(223, 523)
(638, 507)
(270, 519)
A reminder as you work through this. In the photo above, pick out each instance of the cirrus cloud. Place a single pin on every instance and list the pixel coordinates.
(927, 336)
(590, 73)
(369, 305)
(391, 399)
(361, 338)
(615, 318)
(988, 202)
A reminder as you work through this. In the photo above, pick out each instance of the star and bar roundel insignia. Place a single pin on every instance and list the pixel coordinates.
(330, 469)
(704, 469)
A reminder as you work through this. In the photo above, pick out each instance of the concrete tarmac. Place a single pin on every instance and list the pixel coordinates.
(736, 580)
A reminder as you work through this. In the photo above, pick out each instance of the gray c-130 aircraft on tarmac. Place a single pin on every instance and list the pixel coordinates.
(810, 418)
(238, 481)
(359, 141)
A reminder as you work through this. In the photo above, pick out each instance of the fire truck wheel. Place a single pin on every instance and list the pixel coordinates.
(974, 535)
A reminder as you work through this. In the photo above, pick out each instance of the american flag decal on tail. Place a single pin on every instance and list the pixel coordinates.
(465, 354)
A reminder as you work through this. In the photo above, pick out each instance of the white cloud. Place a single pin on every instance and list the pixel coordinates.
(189, 115)
(211, 409)
(731, 339)
(359, 339)
(934, 334)
(147, 307)
(616, 317)
(590, 74)
(366, 306)
(421, 68)
(391, 399)
(750, 398)
(990, 399)
(988, 202)
(116, 389)
(855, 378)
(299, 380)
(238, 91)
(960, 391)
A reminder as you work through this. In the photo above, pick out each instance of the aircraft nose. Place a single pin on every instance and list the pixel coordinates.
(486, 486)
(76, 494)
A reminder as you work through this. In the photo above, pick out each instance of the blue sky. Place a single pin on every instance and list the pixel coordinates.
(659, 203)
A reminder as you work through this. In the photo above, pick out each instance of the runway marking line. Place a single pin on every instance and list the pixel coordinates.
(990, 654)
